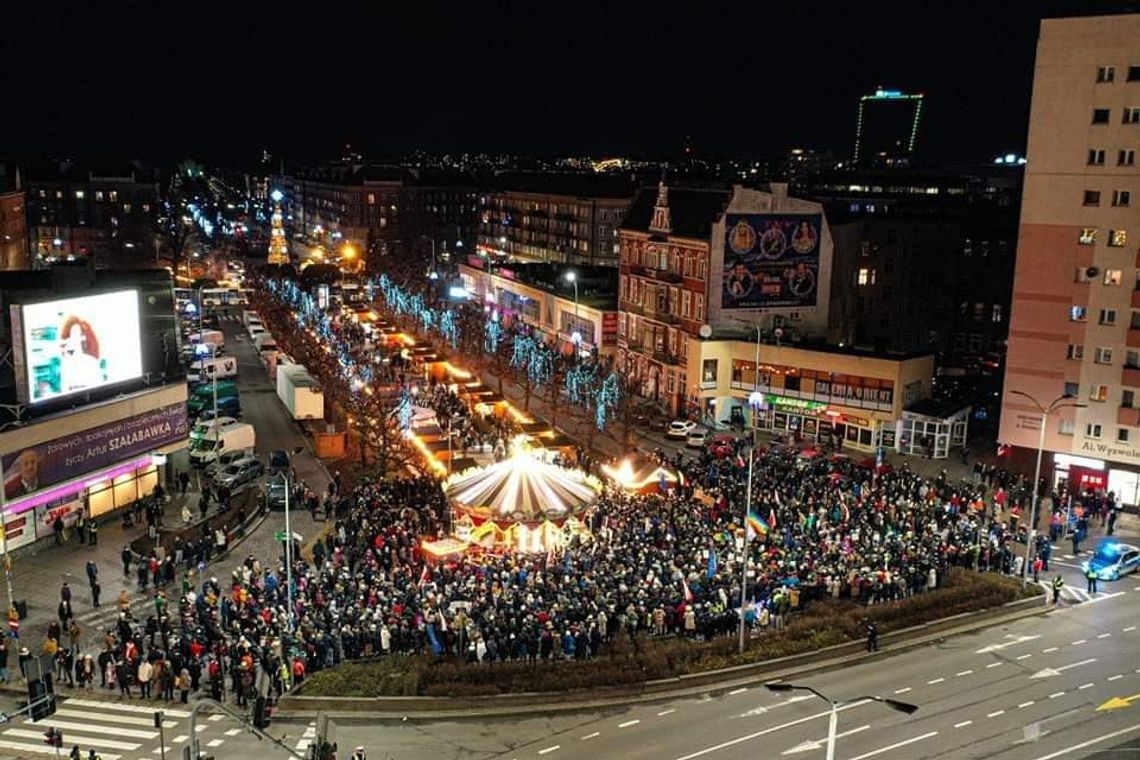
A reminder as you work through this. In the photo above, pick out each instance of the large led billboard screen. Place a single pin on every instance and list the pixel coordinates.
(75, 345)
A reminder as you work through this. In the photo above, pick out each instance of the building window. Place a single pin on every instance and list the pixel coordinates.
(1121, 197)
(1066, 427)
(708, 371)
(1108, 316)
(1075, 351)
(1092, 197)
(79, 194)
(1096, 157)
(866, 276)
(1105, 74)
(1078, 314)
(1123, 158)
(1112, 276)
(699, 308)
(1132, 115)
(1133, 73)
(1072, 389)
(1132, 359)
(113, 196)
(1098, 392)
(372, 199)
(1122, 435)
(686, 303)
(1118, 238)
(1088, 236)
(1103, 355)
(995, 313)
(1100, 116)
(1127, 399)
(1092, 431)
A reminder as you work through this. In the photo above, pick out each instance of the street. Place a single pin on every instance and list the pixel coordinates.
(1026, 690)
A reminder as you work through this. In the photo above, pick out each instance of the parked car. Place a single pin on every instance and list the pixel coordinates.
(1112, 560)
(278, 461)
(697, 438)
(244, 470)
(721, 446)
(680, 429)
(225, 459)
(275, 494)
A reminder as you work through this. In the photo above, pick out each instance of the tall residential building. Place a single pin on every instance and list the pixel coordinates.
(887, 128)
(13, 223)
(561, 218)
(1075, 317)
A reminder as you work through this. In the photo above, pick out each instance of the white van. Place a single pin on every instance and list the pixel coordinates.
(234, 436)
(209, 426)
(264, 342)
(247, 315)
(255, 328)
(205, 370)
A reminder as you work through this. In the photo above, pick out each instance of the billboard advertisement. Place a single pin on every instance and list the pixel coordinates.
(75, 345)
(31, 469)
(771, 261)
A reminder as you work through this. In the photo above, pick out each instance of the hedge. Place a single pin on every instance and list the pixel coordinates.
(625, 663)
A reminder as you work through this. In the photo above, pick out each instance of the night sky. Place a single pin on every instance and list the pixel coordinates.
(748, 79)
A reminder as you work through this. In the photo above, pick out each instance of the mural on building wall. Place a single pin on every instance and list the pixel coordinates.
(771, 261)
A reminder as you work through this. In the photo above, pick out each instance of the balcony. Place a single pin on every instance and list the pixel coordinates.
(660, 275)
(1136, 298)
(1133, 340)
(657, 316)
(1130, 376)
(1128, 416)
(667, 358)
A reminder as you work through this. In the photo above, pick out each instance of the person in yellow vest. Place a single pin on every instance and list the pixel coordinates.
(1058, 584)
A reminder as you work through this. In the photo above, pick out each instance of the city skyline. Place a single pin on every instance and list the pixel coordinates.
(577, 80)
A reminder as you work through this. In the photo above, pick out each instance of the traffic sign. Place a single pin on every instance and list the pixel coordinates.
(279, 535)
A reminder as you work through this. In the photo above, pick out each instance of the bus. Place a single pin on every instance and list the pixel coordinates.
(224, 297)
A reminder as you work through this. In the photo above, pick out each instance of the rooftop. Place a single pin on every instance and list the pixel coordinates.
(578, 185)
(693, 210)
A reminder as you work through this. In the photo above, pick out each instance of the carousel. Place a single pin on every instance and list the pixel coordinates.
(640, 474)
(522, 503)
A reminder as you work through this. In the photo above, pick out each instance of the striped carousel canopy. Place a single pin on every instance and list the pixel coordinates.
(523, 488)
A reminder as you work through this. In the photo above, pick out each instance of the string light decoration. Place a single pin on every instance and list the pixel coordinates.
(404, 411)
(607, 399)
(492, 335)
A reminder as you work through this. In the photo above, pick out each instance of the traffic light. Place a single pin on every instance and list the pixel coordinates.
(41, 698)
(53, 737)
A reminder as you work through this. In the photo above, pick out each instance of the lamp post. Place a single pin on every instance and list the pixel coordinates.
(837, 705)
(748, 492)
(1061, 402)
(288, 556)
(572, 278)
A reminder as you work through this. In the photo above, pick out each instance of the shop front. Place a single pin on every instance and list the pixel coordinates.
(930, 429)
(818, 422)
(1083, 474)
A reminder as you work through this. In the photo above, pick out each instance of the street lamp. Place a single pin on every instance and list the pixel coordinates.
(755, 400)
(836, 705)
(572, 278)
(1061, 402)
(288, 553)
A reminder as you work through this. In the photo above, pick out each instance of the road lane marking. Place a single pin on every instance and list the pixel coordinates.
(996, 713)
(896, 745)
(1023, 705)
(591, 736)
(994, 665)
(1003, 645)
(1085, 686)
(1078, 642)
(1050, 649)
(1091, 742)
(1056, 694)
(550, 749)
(1068, 556)
(1050, 672)
(769, 730)
(1104, 596)
(934, 681)
(663, 713)
(1115, 678)
(814, 744)
(741, 690)
(1129, 629)
(1104, 635)
(964, 723)
(1024, 656)
(628, 723)
(903, 690)
(964, 673)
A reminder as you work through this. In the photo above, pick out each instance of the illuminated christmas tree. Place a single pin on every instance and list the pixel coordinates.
(278, 245)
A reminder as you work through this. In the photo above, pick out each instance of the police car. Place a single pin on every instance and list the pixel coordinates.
(1113, 560)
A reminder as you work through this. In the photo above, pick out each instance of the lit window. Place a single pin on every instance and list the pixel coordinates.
(372, 199)
(1098, 393)
(1066, 427)
(1078, 313)
(1118, 238)
(1092, 431)
(995, 312)
(98, 195)
(1088, 236)
(1104, 355)
(866, 276)
(1112, 277)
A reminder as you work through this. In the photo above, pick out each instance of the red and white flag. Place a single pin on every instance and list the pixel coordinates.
(425, 575)
(688, 591)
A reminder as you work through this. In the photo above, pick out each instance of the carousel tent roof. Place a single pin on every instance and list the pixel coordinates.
(636, 472)
(523, 488)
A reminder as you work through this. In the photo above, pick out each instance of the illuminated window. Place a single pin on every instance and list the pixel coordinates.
(1118, 238)
(996, 313)
(372, 199)
(98, 195)
(1078, 314)
(1098, 393)
(1088, 236)
(1066, 427)
(1112, 277)
(866, 276)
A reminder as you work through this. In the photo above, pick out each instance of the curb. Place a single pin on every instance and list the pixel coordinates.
(696, 684)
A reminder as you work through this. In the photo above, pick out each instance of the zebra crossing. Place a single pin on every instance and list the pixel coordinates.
(115, 730)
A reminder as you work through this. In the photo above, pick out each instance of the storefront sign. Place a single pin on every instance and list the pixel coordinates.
(37, 467)
(1082, 478)
(609, 328)
(860, 421)
(1109, 451)
(47, 514)
(19, 530)
(801, 405)
(888, 439)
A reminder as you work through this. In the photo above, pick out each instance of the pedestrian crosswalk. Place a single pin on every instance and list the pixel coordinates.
(1073, 594)
(115, 730)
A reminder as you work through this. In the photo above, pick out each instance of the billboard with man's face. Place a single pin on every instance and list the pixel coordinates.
(771, 261)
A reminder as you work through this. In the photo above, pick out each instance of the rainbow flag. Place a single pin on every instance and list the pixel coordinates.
(756, 525)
